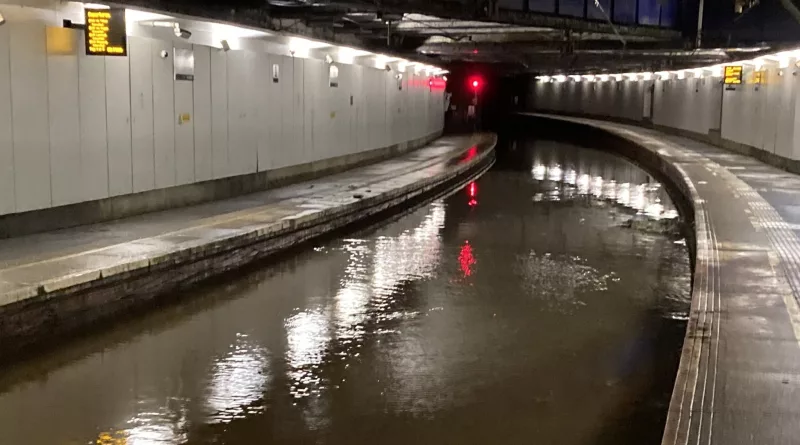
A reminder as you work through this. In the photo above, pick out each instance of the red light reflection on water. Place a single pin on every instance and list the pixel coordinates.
(472, 192)
(466, 259)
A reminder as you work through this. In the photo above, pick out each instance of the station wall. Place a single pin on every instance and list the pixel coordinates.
(77, 128)
(760, 116)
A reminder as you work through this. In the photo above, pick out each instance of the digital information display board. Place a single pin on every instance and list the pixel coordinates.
(733, 75)
(105, 32)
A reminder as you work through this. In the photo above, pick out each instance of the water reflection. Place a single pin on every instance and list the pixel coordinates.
(602, 176)
(238, 381)
(558, 279)
(455, 323)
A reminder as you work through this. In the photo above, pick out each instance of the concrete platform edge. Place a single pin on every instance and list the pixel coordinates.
(69, 304)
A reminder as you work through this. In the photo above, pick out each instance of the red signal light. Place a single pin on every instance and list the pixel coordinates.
(475, 83)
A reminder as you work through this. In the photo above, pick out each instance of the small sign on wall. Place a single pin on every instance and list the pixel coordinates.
(333, 76)
(183, 64)
(276, 73)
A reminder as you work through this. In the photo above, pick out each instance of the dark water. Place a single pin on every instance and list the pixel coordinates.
(519, 310)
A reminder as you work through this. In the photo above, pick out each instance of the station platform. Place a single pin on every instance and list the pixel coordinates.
(739, 376)
(57, 282)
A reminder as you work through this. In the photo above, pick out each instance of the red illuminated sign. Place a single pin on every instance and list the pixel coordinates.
(437, 83)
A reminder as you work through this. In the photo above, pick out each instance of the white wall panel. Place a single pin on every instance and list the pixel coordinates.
(292, 136)
(243, 134)
(164, 116)
(300, 127)
(7, 187)
(65, 132)
(262, 89)
(219, 114)
(312, 78)
(142, 152)
(29, 111)
(203, 155)
(184, 129)
(271, 114)
(784, 130)
(118, 120)
(94, 144)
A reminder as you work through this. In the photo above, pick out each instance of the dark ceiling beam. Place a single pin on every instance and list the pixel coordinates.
(536, 45)
(581, 25)
(457, 10)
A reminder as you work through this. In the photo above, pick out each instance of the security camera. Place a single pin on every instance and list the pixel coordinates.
(164, 54)
(388, 68)
(225, 45)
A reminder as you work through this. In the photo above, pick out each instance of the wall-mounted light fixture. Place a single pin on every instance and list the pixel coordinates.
(180, 32)
(2, 20)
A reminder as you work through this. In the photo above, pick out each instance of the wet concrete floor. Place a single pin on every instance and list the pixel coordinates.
(522, 309)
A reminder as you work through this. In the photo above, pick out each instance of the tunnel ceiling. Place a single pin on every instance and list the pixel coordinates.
(467, 31)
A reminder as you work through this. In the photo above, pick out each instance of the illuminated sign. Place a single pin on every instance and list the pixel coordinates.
(733, 75)
(105, 32)
(436, 83)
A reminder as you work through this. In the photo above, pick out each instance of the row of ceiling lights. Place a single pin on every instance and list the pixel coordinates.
(223, 35)
(781, 59)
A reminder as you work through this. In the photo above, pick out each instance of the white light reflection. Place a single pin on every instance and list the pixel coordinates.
(583, 184)
(308, 335)
(238, 380)
(539, 172)
(554, 173)
(643, 197)
(570, 177)
(610, 190)
(368, 285)
(412, 255)
(597, 187)
(624, 194)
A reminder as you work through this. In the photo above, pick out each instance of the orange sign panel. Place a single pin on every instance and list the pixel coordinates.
(733, 75)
